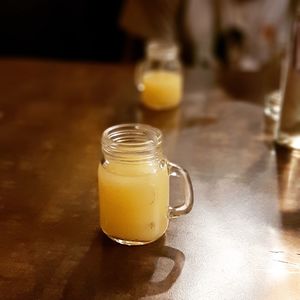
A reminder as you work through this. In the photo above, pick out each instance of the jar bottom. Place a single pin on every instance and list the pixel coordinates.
(132, 242)
(160, 107)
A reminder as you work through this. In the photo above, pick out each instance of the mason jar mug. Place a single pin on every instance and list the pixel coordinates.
(134, 185)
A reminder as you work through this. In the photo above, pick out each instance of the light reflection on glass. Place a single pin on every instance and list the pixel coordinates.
(288, 164)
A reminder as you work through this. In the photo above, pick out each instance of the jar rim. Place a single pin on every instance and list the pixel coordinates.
(162, 49)
(132, 141)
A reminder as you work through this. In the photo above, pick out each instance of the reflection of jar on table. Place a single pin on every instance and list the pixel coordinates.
(159, 77)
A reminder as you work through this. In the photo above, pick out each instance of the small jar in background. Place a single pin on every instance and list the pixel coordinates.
(159, 77)
(273, 105)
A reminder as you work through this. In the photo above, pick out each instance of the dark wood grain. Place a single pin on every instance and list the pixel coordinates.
(241, 240)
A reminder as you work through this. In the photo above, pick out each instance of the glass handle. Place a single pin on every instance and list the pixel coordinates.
(138, 76)
(186, 207)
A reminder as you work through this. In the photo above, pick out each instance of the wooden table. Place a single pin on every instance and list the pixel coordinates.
(241, 240)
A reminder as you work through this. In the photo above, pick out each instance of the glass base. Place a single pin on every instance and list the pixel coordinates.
(289, 140)
(131, 243)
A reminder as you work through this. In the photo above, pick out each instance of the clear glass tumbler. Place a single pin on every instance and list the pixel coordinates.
(289, 125)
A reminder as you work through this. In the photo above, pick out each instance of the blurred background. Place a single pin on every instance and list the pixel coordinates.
(242, 34)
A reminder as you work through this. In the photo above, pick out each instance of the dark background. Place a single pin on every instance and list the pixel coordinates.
(64, 29)
(87, 30)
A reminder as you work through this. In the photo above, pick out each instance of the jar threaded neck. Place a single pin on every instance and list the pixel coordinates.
(161, 50)
(132, 142)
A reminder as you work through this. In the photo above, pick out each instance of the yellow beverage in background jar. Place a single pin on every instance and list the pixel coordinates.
(162, 89)
(134, 200)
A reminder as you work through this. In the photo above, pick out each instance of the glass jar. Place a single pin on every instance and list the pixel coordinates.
(159, 78)
(134, 185)
(288, 134)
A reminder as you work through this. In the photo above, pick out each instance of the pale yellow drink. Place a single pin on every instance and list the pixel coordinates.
(162, 89)
(134, 200)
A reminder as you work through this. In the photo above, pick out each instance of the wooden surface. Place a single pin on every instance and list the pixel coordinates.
(241, 240)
